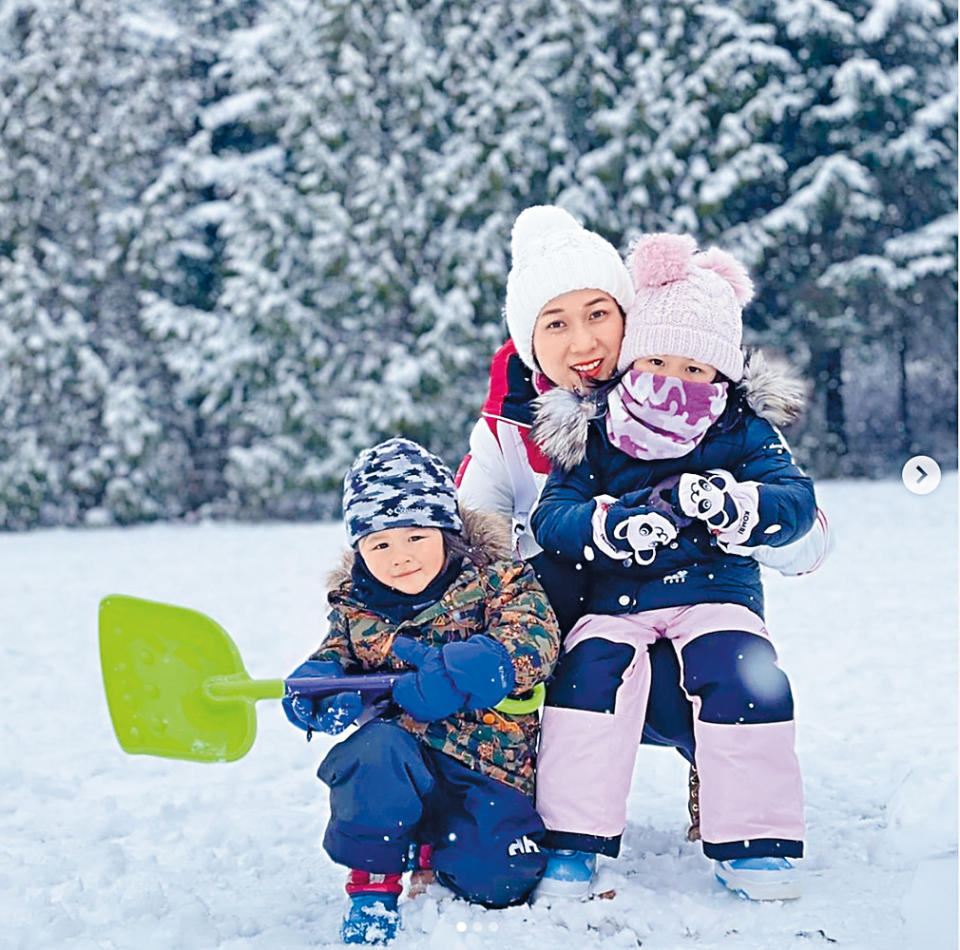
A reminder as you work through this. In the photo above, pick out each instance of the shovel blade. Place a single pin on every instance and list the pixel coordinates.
(157, 661)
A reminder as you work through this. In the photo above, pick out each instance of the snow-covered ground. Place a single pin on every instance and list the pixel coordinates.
(103, 850)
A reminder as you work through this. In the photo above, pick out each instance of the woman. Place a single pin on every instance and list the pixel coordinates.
(567, 292)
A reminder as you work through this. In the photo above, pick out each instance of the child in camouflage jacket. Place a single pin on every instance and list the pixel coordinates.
(430, 590)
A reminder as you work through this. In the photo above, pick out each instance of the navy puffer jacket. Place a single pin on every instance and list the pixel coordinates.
(692, 569)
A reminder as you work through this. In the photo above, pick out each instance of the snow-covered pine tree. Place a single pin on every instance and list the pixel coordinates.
(876, 158)
(198, 254)
(50, 392)
(310, 192)
(894, 112)
(363, 270)
(710, 91)
(85, 114)
(746, 133)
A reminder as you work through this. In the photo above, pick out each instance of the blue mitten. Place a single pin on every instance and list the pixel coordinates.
(331, 714)
(429, 693)
(481, 668)
(467, 674)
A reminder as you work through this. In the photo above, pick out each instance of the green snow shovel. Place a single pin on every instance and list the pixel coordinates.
(176, 685)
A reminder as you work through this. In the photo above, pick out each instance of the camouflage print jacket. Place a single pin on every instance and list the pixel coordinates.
(491, 595)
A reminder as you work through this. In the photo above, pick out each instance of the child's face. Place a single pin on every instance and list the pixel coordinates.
(577, 337)
(678, 366)
(407, 559)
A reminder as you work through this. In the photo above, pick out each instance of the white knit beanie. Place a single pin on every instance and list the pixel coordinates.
(553, 255)
(687, 303)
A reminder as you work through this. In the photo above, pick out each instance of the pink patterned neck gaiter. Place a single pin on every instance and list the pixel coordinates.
(661, 417)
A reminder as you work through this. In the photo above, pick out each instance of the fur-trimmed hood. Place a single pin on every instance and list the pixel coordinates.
(487, 535)
(562, 417)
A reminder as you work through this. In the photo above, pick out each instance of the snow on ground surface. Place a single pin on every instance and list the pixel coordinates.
(103, 850)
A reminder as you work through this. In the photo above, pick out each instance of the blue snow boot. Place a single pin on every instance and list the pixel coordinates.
(569, 875)
(372, 917)
(760, 879)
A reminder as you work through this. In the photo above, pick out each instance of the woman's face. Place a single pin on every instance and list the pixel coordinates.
(577, 337)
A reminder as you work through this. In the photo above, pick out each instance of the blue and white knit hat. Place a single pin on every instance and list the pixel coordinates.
(398, 484)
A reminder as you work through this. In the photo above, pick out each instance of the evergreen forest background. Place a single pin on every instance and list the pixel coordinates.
(241, 240)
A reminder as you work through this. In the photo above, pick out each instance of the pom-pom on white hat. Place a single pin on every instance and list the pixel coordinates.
(686, 304)
(553, 255)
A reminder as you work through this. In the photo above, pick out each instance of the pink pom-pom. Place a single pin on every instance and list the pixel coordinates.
(658, 259)
(730, 269)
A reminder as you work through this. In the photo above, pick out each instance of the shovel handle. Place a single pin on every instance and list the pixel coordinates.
(327, 685)
(379, 684)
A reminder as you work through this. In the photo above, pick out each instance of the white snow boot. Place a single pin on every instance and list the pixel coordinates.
(569, 875)
(760, 879)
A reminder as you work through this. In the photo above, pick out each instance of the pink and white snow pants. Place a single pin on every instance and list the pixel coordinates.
(750, 784)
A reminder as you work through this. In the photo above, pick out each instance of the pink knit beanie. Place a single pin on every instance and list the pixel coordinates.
(686, 304)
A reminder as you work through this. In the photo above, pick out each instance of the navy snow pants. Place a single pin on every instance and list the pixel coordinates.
(388, 791)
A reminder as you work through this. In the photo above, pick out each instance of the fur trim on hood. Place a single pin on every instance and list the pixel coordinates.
(561, 422)
(562, 417)
(487, 535)
(773, 390)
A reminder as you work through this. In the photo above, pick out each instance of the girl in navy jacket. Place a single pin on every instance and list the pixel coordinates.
(664, 483)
